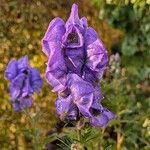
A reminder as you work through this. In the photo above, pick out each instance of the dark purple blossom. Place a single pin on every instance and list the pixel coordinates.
(24, 81)
(76, 62)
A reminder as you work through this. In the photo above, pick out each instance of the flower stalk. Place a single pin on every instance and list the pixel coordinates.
(34, 130)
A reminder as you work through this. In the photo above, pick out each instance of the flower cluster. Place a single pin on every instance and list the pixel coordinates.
(24, 81)
(76, 61)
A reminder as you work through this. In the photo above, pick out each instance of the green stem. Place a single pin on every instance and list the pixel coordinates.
(35, 140)
(78, 129)
(35, 143)
(79, 135)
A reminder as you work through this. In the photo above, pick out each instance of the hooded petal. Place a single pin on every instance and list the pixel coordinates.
(17, 85)
(96, 56)
(90, 36)
(11, 70)
(56, 70)
(65, 108)
(74, 18)
(23, 63)
(36, 81)
(103, 118)
(73, 38)
(82, 93)
(27, 89)
(53, 35)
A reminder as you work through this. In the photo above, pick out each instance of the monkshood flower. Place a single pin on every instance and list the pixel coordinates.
(76, 62)
(72, 47)
(24, 81)
(82, 99)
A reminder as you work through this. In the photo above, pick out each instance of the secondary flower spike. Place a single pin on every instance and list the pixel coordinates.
(24, 81)
(76, 53)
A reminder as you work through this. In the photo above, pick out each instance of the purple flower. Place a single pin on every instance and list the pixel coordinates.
(72, 47)
(83, 99)
(76, 62)
(80, 97)
(24, 81)
(100, 117)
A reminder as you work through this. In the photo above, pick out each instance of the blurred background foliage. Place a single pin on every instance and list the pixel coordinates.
(123, 25)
